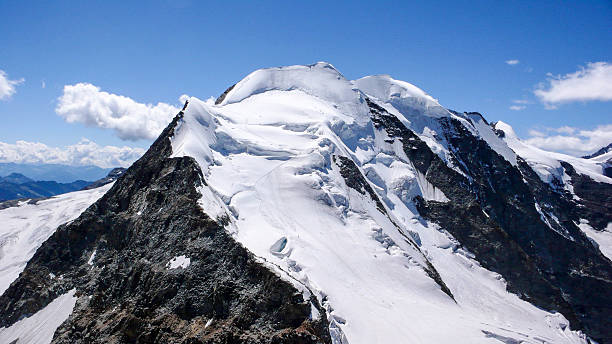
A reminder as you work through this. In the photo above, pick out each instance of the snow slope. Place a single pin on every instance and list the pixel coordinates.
(269, 155)
(40, 327)
(25, 227)
(602, 238)
(547, 164)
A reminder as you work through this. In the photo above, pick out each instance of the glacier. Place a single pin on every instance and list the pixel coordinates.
(276, 133)
(26, 226)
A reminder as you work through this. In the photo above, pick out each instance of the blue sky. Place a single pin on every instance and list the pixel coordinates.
(455, 50)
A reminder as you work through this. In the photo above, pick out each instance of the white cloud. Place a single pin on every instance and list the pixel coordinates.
(567, 130)
(512, 62)
(517, 107)
(85, 152)
(7, 86)
(520, 101)
(536, 133)
(43, 84)
(591, 83)
(130, 120)
(572, 141)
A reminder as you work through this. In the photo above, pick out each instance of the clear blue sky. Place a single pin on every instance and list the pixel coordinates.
(157, 50)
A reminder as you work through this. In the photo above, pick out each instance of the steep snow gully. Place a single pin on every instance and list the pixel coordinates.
(394, 219)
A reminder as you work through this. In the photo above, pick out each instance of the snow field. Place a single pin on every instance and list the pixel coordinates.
(266, 153)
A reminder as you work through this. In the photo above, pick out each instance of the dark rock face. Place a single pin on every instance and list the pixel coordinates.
(493, 213)
(113, 175)
(224, 94)
(595, 202)
(607, 168)
(354, 179)
(129, 295)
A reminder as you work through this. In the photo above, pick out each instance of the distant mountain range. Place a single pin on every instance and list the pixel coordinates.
(57, 172)
(18, 186)
(110, 177)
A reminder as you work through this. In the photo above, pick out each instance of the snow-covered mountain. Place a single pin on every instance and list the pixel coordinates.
(302, 207)
(601, 151)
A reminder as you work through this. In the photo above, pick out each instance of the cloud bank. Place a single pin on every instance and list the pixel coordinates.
(7, 86)
(570, 140)
(85, 152)
(87, 104)
(587, 84)
(512, 62)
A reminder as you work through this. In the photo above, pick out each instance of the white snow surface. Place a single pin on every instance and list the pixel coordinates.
(25, 227)
(267, 155)
(603, 238)
(179, 262)
(40, 327)
(602, 158)
(547, 164)
(401, 94)
(486, 133)
(90, 261)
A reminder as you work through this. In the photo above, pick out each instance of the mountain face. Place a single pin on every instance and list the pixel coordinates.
(26, 225)
(301, 207)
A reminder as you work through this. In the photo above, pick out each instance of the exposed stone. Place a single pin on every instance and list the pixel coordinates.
(223, 95)
(493, 214)
(355, 180)
(129, 295)
(595, 202)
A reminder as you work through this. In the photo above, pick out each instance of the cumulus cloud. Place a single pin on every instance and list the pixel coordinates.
(85, 152)
(517, 107)
(7, 86)
(570, 140)
(587, 84)
(86, 103)
(566, 130)
(512, 62)
(536, 133)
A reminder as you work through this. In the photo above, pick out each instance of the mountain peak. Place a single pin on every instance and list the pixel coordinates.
(404, 96)
(16, 178)
(305, 165)
(377, 211)
(320, 79)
